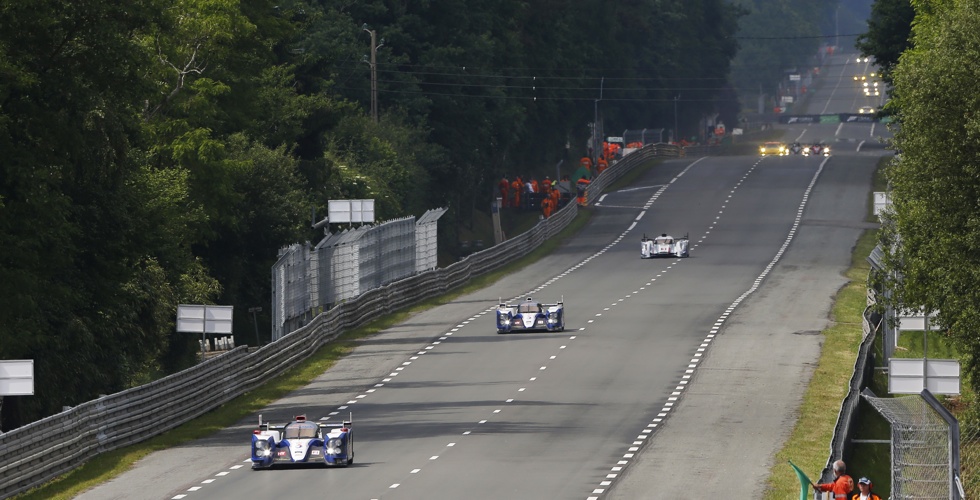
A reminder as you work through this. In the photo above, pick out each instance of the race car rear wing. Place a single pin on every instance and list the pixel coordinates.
(346, 424)
(265, 426)
(501, 303)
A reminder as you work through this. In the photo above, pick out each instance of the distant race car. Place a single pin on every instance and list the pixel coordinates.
(302, 441)
(773, 148)
(663, 246)
(866, 110)
(531, 316)
(816, 149)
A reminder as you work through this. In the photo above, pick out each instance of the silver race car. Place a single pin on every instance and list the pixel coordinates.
(531, 316)
(302, 441)
(663, 246)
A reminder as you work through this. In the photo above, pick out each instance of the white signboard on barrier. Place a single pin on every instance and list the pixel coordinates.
(914, 321)
(882, 200)
(192, 318)
(911, 375)
(349, 211)
(17, 377)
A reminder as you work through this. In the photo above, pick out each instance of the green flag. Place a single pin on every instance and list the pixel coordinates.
(804, 481)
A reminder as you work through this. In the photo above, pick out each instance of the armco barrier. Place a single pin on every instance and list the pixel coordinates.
(847, 417)
(38, 452)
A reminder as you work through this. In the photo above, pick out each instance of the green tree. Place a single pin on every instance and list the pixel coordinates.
(81, 291)
(889, 34)
(933, 239)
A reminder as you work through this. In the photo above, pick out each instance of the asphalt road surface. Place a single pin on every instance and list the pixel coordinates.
(674, 376)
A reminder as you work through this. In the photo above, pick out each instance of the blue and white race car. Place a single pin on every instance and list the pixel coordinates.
(663, 246)
(302, 441)
(531, 316)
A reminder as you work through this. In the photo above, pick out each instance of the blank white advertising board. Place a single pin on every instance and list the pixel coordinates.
(17, 377)
(192, 318)
(348, 211)
(907, 376)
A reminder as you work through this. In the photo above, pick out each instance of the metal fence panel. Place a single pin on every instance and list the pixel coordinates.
(921, 448)
(290, 287)
(426, 240)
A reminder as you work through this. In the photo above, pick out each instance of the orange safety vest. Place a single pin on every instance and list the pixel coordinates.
(841, 487)
(872, 496)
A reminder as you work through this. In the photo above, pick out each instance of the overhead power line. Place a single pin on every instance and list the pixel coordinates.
(795, 37)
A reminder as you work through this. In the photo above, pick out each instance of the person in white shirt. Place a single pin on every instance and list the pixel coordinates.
(864, 484)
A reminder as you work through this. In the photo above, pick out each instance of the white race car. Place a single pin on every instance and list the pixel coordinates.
(531, 316)
(663, 246)
(302, 441)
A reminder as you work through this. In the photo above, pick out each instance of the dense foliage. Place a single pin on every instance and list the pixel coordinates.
(933, 239)
(160, 152)
(888, 34)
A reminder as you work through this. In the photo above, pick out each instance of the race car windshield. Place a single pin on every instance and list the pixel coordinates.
(528, 308)
(300, 430)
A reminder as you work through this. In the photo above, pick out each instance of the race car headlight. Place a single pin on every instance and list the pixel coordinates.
(261, 445)
(335, 446)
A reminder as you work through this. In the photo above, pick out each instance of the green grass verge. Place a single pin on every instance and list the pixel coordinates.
(106, 466)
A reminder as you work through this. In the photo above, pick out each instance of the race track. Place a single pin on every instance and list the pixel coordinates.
(668, 367)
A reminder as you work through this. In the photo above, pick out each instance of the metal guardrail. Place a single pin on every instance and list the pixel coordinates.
(846, 426)
(38, 452)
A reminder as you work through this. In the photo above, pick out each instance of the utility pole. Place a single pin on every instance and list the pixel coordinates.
(676, 134)
(374, 70)
(595, 125)
(255, 321)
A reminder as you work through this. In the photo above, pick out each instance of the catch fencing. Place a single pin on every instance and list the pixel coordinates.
(307, 281)
(970, 457)
(38, 452)
(924, 446)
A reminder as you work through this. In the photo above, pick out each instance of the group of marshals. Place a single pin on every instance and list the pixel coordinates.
(843, 485)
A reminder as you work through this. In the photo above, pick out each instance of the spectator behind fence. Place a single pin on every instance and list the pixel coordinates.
(864, 485)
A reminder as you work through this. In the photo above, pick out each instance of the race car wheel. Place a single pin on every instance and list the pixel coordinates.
(350, 459)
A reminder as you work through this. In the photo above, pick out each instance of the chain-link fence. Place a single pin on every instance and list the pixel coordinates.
(307, 281)
(924, 446)
(970, 457)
